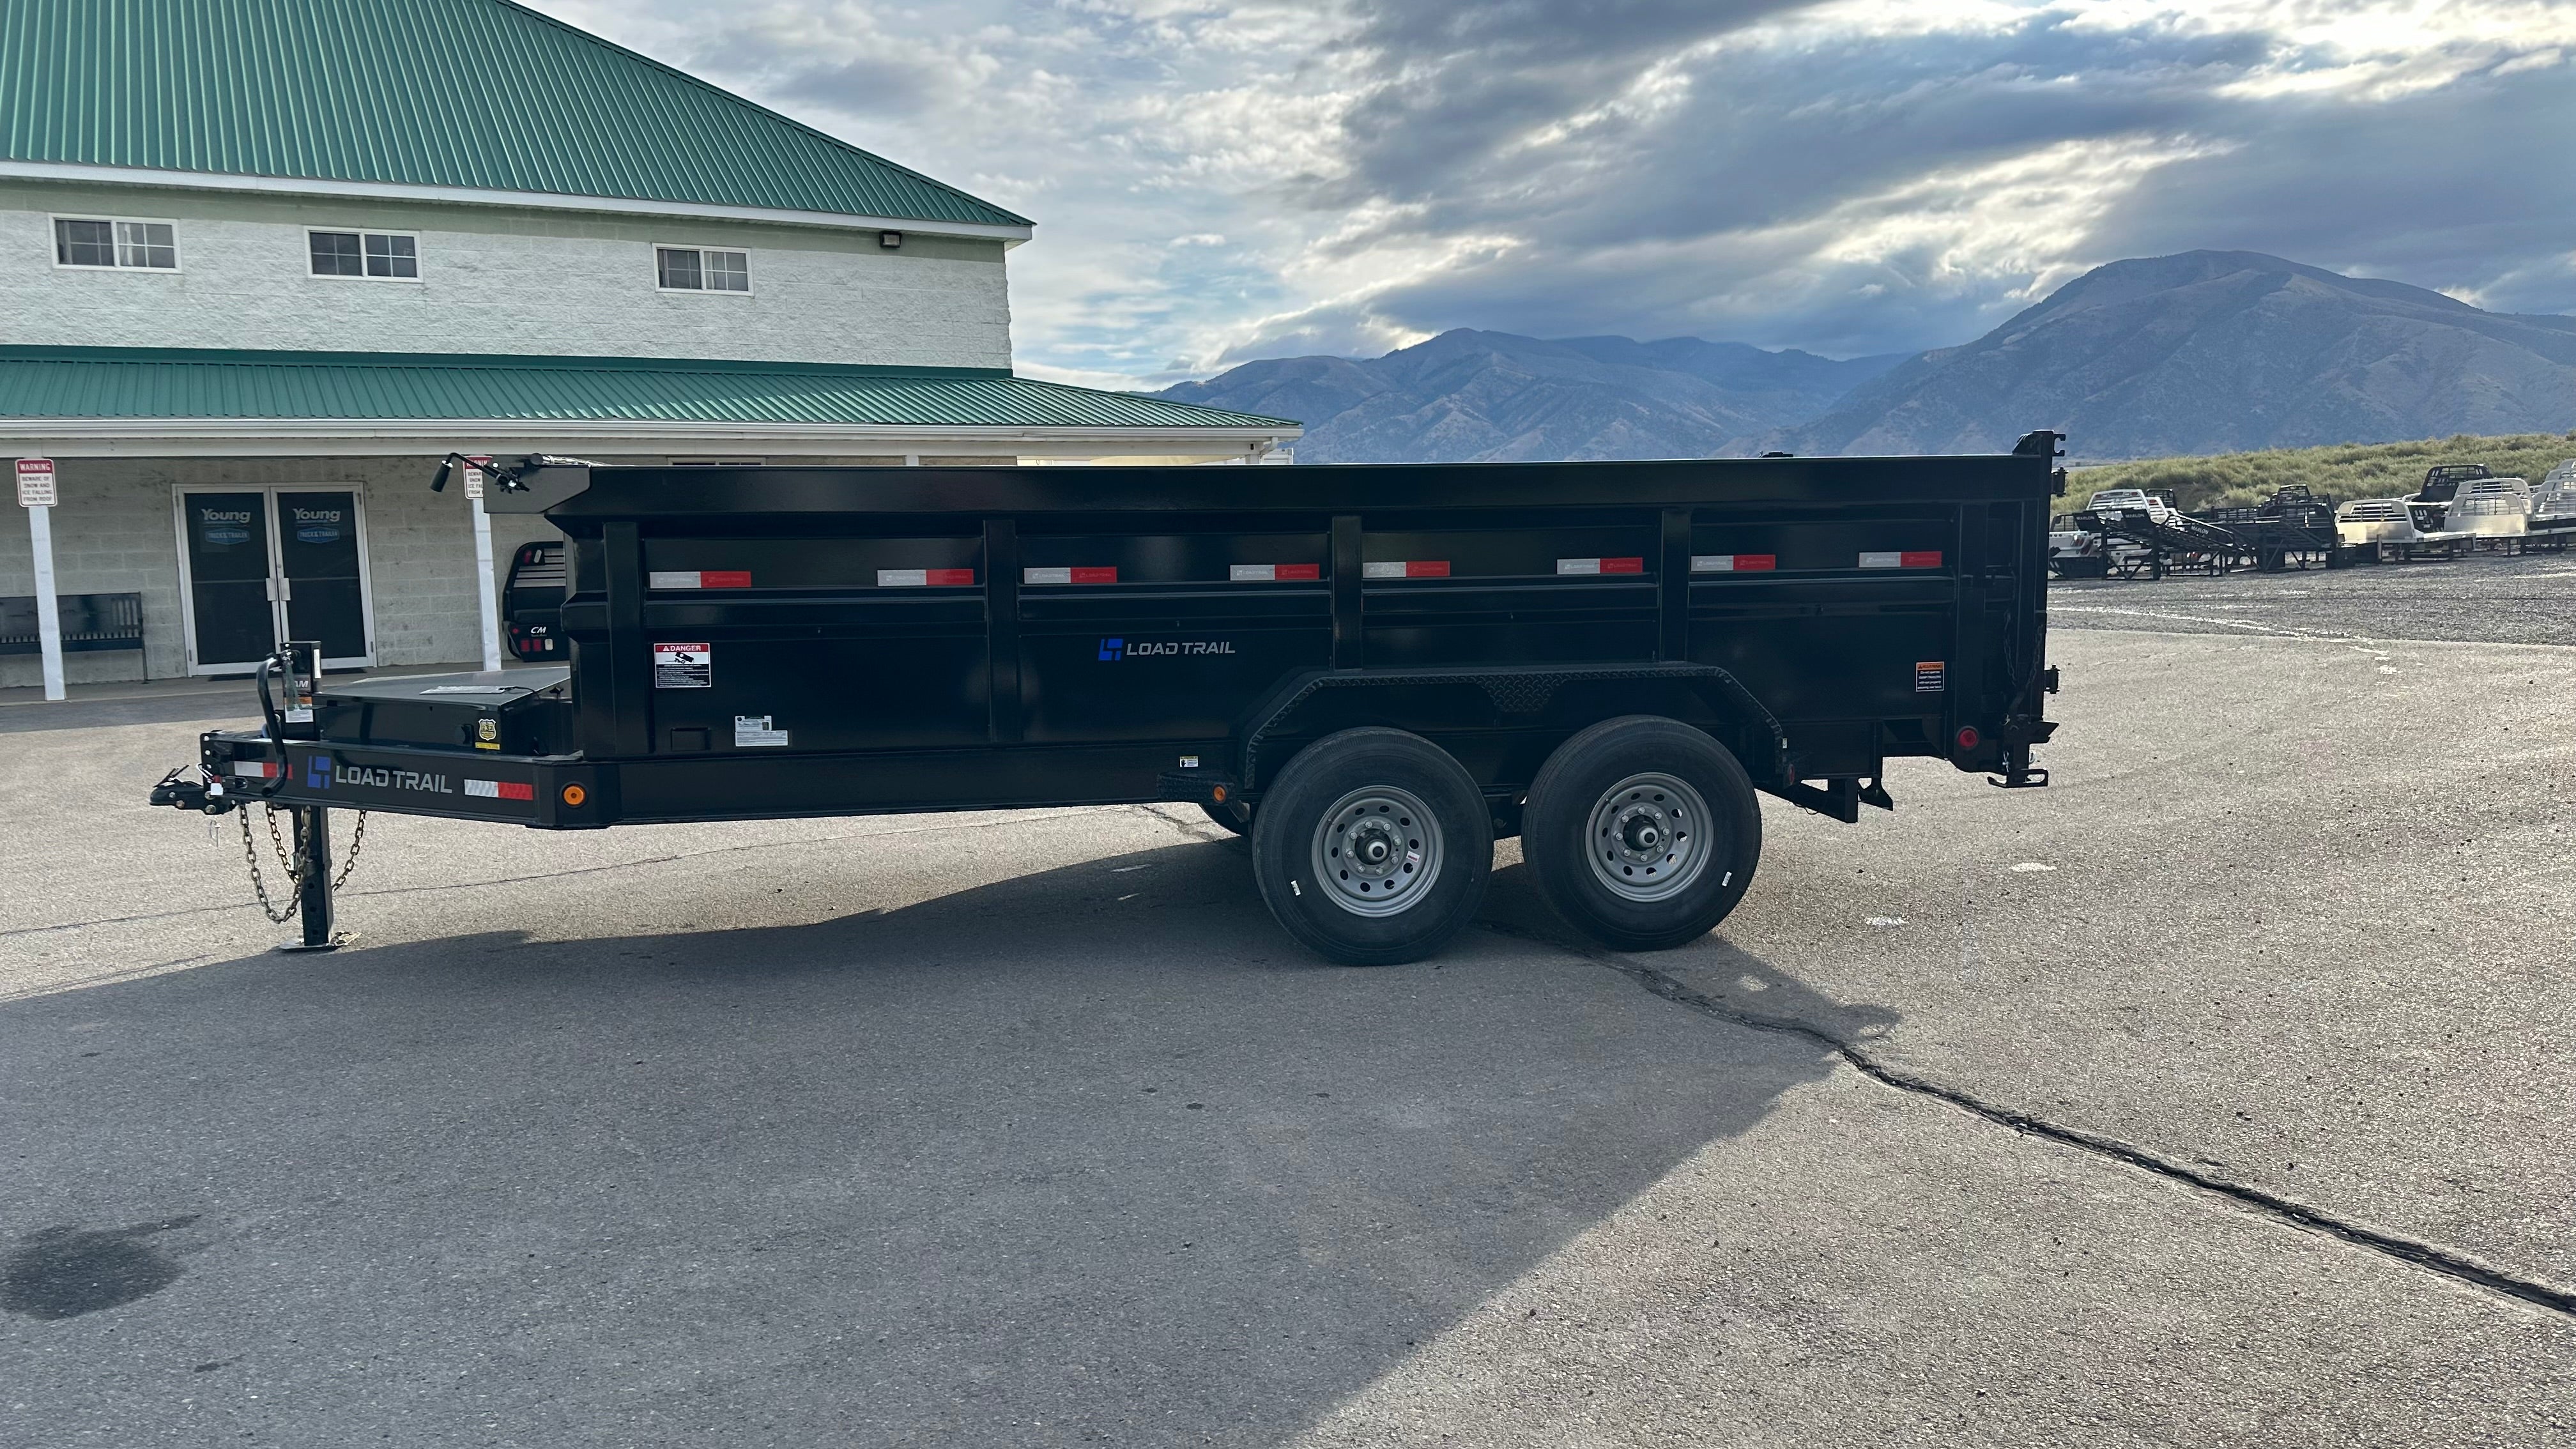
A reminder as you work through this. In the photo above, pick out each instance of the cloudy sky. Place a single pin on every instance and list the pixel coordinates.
(1218, 180)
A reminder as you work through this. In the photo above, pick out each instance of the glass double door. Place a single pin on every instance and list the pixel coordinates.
(266, 565)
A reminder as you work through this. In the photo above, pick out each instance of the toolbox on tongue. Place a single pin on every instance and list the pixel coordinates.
(504, 712)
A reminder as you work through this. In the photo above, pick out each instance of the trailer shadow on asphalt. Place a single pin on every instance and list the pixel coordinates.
(1092, 1148)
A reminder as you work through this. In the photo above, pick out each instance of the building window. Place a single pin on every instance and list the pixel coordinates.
(390, 256)
(83, 242)
(702, 269)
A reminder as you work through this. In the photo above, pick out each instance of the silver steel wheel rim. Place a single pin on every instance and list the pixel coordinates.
(1649, 837)
(1377, 851)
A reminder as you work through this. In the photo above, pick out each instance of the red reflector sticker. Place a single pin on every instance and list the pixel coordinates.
(725, 579)
(1924, 558)
(1407, 569)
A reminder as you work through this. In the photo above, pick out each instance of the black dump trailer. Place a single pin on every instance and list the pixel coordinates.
(1371, 671)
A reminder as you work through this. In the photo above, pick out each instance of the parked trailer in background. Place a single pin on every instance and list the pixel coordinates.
(1372, 671)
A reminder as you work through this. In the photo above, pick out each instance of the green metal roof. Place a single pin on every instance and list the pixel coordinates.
(146, 382)
(457, 93)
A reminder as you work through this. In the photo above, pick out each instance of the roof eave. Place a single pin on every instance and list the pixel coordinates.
(78, 174)
(347, 437)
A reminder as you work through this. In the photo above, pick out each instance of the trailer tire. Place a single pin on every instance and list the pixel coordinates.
(1373, 848)
(1643, 832)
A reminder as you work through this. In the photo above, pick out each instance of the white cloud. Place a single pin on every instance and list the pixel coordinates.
(1213, 181)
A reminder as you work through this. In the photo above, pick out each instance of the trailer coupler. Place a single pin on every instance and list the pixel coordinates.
(202, 793)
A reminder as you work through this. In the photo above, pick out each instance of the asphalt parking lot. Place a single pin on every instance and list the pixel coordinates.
(2219, 1094)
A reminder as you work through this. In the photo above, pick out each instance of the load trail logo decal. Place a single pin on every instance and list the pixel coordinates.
(1113, 650)
(320, 773)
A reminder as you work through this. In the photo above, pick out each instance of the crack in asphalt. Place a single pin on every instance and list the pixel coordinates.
(2430, 1257)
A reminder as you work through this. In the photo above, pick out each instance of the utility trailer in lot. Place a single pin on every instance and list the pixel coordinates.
(1371, 671)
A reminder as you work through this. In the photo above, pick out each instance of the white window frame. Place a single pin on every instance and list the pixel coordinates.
(362, 233)
(753, 284)
(54, 246)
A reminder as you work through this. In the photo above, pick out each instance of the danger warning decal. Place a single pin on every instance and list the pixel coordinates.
(1931, 676)
(683, 666)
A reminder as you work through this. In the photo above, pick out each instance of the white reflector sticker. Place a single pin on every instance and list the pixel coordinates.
(1733, 563)
(1272, 573)
(1407, 569)
(754, 732)
(1601, 565)
(1881, 560)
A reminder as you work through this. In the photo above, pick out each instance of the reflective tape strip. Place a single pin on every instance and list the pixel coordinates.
(1919, 558)
(1601, 565)
(1733, 563)
(1272, 573)
(259, 769)
(1881, 560)
(1078, 575)
(925, 578)
(1410, 569)
(698, 579)
(500, 790)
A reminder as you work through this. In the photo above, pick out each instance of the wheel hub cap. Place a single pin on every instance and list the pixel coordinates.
(1649, 837)
(1377, 851)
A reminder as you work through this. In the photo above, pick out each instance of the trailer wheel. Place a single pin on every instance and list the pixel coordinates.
(1643, 832)
(1373, 847)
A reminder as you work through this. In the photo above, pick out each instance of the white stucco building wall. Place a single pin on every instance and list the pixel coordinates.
(497, 279)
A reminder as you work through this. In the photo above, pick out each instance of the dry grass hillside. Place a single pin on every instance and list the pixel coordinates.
(2373, 470)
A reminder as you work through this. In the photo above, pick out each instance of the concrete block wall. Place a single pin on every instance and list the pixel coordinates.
(116, 531)
(497, 279)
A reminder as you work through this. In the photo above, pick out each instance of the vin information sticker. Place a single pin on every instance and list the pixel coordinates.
(683, 666)
(754, 731)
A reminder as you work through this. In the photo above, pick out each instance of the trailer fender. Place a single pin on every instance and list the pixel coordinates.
(1320, 702)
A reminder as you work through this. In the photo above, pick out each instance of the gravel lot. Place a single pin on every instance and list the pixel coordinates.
(2483, 598)
(1034, 1130)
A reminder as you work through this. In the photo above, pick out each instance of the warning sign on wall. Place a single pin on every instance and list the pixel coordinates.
(683, 666)
(35, 482)
(1931, 676)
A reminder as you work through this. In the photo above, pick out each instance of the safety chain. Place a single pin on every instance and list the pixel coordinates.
(286, 862)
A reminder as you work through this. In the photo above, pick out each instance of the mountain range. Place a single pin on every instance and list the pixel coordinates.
(2198, 353)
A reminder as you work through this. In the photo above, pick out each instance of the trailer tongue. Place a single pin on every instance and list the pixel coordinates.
(1372, 671)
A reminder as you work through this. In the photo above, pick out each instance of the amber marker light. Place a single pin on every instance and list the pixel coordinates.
(574, 795)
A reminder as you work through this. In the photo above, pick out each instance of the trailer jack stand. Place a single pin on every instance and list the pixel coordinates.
(313, 890)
